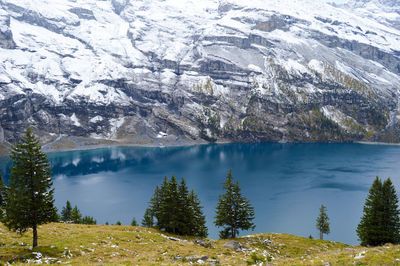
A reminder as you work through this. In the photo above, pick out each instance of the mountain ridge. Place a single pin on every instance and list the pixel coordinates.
(171, 72)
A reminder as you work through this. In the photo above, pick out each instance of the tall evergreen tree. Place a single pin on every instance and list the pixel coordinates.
(391, 219)
(155, 205)
(3, 196)
(170, 206)
(175, 210)
(323, 222)
(76, 216)
(380, 223)
(66, 212)
(197, 220)
(160, 206)
(148, 218)
(134, 222)
(234, 211)
(183, 206)
(30, 199)
(88, 220)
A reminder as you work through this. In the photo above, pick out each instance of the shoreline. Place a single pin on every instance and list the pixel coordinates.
(117, 144)
(195, 143)
(377, 143)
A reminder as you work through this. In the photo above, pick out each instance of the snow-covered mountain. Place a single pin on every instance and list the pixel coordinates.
(178, 71)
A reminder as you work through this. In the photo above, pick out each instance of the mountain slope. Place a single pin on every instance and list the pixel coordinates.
(94, 244)
(171, 72)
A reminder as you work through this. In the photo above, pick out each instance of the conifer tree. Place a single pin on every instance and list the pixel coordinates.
(323, 222)
(234, 211)
(391, 213)
(66, 212)
(175, 210)
(88, 220)
(76, 216)
(183, 212)
(197, 220)
(170, 206)
(159, 205)
(148, 218)
(3, 196)
(380, 223)
(134, 222)
(30, 199)
(154, 208)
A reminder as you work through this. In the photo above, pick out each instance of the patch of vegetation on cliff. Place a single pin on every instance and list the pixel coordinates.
(321, 128)
(209, 124)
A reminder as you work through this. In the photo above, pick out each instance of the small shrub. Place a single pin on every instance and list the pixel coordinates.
(257, 259)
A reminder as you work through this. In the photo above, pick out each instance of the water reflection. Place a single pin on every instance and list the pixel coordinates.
(286, 183)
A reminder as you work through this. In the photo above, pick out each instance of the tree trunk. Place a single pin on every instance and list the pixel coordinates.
(321, 235)
(34, 236)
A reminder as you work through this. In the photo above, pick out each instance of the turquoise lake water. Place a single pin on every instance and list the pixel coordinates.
(286, 183)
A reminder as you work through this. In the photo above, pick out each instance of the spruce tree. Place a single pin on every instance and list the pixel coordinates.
(3, 196)
(66, 212)
(155, 206)
(134, 222)
(88, 220)
(170, 206)
(183, 209)
(30, 199)
(148, 218)
(391, 218)
(175, 210)
(197, 220)
(323, 222)
(160, 206)
(76, 216)
(380, 223)
(234, 211)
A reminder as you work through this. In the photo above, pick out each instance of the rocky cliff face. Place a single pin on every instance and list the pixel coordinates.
(172, 72)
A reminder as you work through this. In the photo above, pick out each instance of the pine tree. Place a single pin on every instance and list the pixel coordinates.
(155, 206)
(134, 222)
(148, 218)
(391, 211)
(183, 209)
(170, 206)
(380, 223)
(76, 216)
(197, 220)
(323, 222)
(30, 199)
(3, 197)
(159, 206)
(88, 220)
(175, 210)
(66, 212)
(234, 211)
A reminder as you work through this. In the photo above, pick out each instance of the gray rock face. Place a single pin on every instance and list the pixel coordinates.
(6, 38)
(162, 72)
(233, 245)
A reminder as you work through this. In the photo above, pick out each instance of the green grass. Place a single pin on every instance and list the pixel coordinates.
(100, 244)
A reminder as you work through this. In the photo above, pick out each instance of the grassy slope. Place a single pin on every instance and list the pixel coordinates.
(98, 244)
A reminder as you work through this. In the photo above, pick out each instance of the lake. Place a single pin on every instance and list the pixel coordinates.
(286, 183)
